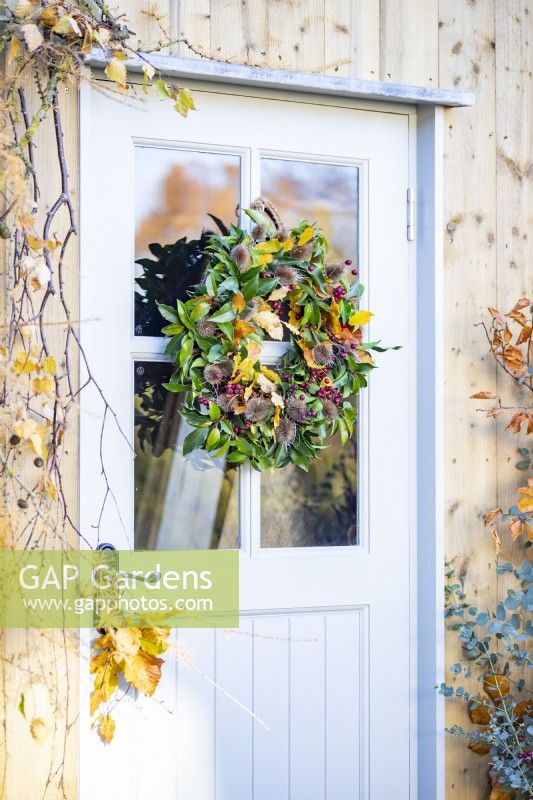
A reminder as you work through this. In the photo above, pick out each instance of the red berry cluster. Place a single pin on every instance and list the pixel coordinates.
(330, 393)
(203, 401)
(339, 292)
(276, 305)
(233, 388)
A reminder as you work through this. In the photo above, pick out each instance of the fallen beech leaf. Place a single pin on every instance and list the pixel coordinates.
(516, 527)
(496, 316)
(483, 396)
(496, 541)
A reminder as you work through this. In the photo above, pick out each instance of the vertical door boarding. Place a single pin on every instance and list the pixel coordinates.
(325, 655)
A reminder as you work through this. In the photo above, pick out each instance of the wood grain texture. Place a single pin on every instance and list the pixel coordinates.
(351, 43)
(466, 60)
(484, 46)
(409, 43)
(42, 665)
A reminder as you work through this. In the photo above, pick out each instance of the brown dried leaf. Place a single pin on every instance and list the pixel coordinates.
(517, 316)
(484, 396)
(496, 316)
(479, 748)
(516, 421)
(478, 711)
(525, 334)
(507, 335)
(522, 303)
(496, 541)
(492, 515)
(516, 528)
(496, 685)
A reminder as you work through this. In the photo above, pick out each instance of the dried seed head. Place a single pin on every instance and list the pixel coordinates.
(296, 409)
(302, 252)
(226, 401)
(259, 232)
(330, 409)
(206, 328)
(285, 432)
(251, 309)
(282, 235)
(213, 373)
(323, 354)
(334, 271)
(241, 255)
(226, 365)
(286, 275)
(257, 409)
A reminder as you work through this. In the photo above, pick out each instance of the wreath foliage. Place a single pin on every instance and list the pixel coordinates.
(269, 283)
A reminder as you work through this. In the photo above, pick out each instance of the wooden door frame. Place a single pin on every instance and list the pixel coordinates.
(426, 265)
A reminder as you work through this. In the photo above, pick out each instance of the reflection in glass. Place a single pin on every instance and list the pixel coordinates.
(315, 508)
(180, 503)
(322, 193)
(176, 191)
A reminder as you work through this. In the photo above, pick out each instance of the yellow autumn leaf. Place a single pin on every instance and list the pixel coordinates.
(143, 671)
(270, 246)
(14, 49)
(49, 365)
(240, 329)
(34, 242)
(244, 369)
(116, 71)
(248, 392)
(525, 503)
(308, 355)
(38, 729)
(277, 416)
(288, 244)
(277, 400)
(270, 323)
(270, 374)
(360, 318)
(238, 302)
(23, 363)
(23, 8)
(265, 259)
(306, 235)
(106, 728)
(44, 385)
(293, 321)
(254, 351)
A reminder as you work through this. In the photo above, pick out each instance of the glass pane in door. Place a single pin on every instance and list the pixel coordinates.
(175, 193)
(317, 508)
(181, 503)
(327, 194)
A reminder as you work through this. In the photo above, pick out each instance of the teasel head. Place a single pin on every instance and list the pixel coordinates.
(251, 309)
(334, 270)
(226, 365)
(206, 328)
(241, 255)
(282, 235)
(286, 432)
(257, 409)
(323, 354)
(226, 401)
(296, 409)
(302, 252)
(259, 232)
(287, 276)
(213, 374)
(330, 410)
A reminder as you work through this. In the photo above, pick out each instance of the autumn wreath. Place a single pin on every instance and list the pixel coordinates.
(276, 283)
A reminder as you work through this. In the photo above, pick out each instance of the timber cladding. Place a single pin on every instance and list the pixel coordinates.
(483, 46)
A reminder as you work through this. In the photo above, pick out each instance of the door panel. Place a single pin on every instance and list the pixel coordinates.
(325, 558)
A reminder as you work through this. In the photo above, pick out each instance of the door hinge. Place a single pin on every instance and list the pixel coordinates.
(410, 214)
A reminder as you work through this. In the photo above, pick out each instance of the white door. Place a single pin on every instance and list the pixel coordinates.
(324, 654)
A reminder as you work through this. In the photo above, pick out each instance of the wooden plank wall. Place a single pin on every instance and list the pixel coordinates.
(479, 45)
